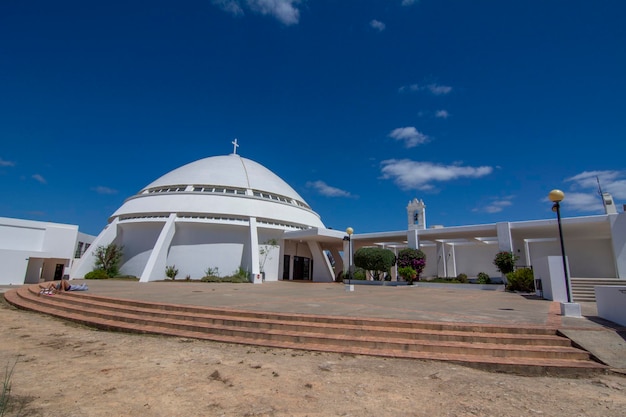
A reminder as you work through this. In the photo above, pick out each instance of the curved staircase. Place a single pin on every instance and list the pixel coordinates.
(528, 350)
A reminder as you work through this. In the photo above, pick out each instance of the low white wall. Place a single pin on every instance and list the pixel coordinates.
(549, 270)
(611, 303)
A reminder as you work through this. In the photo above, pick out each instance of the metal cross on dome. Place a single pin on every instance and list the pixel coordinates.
(235, 146)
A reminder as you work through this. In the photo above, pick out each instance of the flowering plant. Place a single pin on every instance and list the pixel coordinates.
(411, 263)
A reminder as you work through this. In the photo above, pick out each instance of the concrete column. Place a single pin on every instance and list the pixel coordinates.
(505, 242)
(157, 262)
(346, 257)
(442, 267)
(452, 256)
(254, 252)
(412, 238)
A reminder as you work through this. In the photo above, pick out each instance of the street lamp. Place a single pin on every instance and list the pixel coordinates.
(556, 196)
(350, 231)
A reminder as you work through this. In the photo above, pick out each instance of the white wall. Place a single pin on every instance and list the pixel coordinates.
(475, 258)
(22, 239)
(196, 247)
(430, 270)
(138, 240)
(618, 242)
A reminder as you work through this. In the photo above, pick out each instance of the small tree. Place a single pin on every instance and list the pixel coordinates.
(108, 258)
(171, 272)
(377, 261)
(414, 259)
(505, 261)
(265, 249)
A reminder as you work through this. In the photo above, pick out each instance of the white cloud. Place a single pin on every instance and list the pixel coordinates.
(410, 135)
(496, 205)
(285, 11)
(4, 163)
(229, 6)
(436, 89)
(410, 88)
(613, 182)
(442, 114)
(39, 178)
(104, 190)
(583, 202)
(326, 190)
(378, 25)
(415, 175)
(409, 2)
(439, 90)
(584, 193)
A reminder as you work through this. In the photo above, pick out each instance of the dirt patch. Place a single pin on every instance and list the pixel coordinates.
(64, 369)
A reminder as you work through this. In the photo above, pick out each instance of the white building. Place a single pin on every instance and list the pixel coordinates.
(215, 213)
(31, 251)
(218, 212)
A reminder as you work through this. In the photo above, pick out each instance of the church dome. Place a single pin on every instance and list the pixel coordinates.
(221, 187)
(227, 171)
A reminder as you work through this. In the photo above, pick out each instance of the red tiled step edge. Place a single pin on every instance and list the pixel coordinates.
(500, 359)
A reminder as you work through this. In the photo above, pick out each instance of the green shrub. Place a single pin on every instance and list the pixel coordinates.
(238, 276)
(171, 272)
(521, 280)
(212, 272)
(241, 273)
(407, 273)
(359, 273)
(125, 278)
(462, 278)
(483, 278)
(97, 274)
(505, 261)
(232, 279)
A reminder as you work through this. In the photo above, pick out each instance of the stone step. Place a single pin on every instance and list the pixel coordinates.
(494, 349)
(467, 334)
(300, 319)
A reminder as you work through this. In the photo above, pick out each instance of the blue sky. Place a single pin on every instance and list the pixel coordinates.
(479, 108)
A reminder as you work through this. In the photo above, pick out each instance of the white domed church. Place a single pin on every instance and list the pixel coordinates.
(219, 213)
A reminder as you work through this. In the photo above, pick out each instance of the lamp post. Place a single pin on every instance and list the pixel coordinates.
(350, 231)
(556, 196)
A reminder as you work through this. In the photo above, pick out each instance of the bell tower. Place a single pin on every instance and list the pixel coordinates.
(416, 212)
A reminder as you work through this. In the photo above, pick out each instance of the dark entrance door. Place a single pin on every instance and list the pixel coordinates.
(58, 272)
(302, 268)
(286, 259)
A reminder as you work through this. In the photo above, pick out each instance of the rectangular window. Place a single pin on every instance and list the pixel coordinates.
(79, 250)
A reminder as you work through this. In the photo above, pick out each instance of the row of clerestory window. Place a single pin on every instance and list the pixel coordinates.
(227, 190)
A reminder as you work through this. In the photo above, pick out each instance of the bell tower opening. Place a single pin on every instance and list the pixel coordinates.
(416, 211)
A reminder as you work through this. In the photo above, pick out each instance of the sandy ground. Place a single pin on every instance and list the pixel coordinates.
(68, 370)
